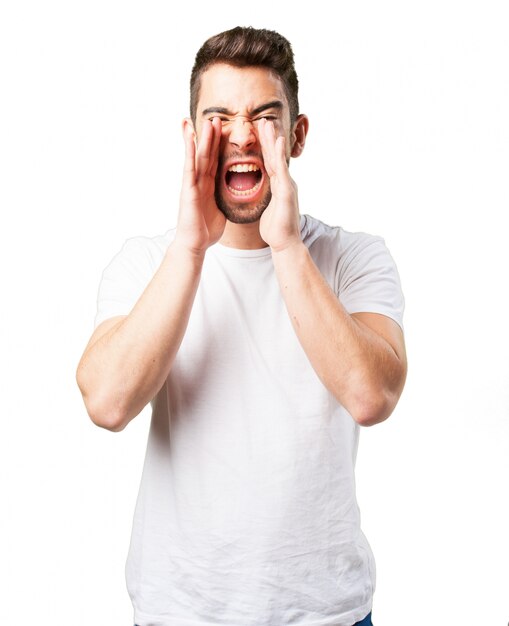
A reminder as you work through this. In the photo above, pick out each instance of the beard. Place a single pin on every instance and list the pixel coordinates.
(239, 212)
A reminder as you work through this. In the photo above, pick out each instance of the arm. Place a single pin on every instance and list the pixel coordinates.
(361, 357)
(128, 358)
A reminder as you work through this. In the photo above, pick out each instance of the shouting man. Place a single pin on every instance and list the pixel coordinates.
(263, 339)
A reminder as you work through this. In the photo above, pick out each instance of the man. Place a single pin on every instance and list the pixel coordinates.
(263, 339)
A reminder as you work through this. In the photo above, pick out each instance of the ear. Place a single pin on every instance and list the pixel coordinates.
(187, 124)
(299, 132)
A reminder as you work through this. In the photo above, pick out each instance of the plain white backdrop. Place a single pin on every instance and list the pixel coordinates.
(409, 139)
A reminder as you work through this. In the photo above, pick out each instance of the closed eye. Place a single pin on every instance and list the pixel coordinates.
(265, 117)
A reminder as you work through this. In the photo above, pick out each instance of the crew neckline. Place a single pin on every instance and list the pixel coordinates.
(256, 252)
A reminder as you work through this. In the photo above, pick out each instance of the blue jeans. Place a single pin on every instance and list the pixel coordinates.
(364, 622)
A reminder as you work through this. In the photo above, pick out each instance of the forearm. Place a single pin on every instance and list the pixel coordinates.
(122, 370)
(356, 364)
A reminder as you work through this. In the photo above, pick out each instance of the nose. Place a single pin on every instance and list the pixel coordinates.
(242, 133)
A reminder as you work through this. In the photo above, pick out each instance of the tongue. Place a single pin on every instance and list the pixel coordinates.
(243, 180)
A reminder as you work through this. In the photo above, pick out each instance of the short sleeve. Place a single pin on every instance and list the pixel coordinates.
(367, 279)
(124, 279)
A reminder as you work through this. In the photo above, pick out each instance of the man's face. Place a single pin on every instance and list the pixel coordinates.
(240, 97)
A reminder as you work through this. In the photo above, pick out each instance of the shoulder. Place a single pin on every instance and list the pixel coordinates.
(128, 273)
(140, 256)
(344, 245)
(358, 266)
(146, 248)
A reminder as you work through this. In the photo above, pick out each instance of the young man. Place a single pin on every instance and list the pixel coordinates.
(263, 338)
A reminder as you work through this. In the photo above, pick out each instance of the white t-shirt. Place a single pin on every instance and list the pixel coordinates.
(246, 513)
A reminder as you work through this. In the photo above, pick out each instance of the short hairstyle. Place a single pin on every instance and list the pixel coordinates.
(247, 46)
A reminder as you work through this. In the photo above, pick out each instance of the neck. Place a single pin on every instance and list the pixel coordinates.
(243, 236)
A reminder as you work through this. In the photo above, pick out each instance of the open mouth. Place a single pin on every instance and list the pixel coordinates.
(243, 179)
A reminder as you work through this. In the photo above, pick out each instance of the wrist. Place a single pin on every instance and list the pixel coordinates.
(184, 249)
(290, 248)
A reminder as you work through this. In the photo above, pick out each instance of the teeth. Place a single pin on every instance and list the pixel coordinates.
(243, 167)
(246, 192)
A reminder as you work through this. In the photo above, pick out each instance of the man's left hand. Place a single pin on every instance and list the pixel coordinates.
(280, 222)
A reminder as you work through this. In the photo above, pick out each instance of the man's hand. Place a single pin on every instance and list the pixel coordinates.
(280, 222)
(360, 358)
(200, 222)
(129, 357)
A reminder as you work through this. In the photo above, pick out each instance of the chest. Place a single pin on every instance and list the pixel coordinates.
(240, 343)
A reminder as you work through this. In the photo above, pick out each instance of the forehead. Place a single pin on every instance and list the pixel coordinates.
(237, 88)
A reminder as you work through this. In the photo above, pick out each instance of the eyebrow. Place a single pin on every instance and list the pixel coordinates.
(274, 104)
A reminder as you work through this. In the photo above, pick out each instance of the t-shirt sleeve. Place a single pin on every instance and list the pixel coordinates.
(367, 279)
(124, 279)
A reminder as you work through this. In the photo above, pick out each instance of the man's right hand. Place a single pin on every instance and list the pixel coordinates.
(200, 222)
(129, 357)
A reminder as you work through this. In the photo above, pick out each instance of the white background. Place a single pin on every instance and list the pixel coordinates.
(409, 138)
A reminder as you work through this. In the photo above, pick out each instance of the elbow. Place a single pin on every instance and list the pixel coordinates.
(106, 416)
(372, 411)
(376, 400)
(102, 410)
(107, 419)
(374, 406)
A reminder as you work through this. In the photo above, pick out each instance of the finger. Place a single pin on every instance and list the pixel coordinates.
(217, 127)
(203, 150)
(190, 149)
(280, 156)
(267, 139)
(276, 149)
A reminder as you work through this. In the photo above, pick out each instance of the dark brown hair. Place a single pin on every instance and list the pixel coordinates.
(248, 46)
